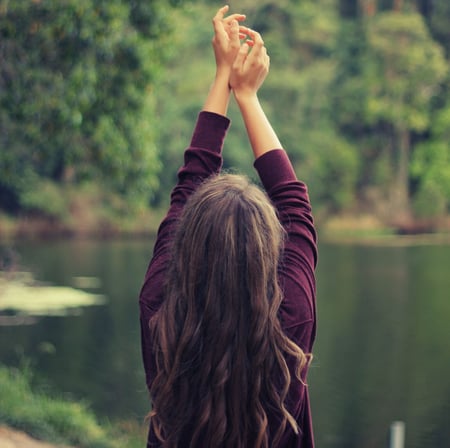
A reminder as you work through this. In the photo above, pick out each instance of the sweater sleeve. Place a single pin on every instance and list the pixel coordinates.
(202, 158)
(296, 273)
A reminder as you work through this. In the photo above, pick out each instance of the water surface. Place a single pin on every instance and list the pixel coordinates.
(381, 355)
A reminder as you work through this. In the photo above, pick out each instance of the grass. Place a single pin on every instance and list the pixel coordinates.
(56, 420)
(360, 225)
(368, 230)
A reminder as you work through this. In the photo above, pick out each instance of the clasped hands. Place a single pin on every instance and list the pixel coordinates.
(241, 57)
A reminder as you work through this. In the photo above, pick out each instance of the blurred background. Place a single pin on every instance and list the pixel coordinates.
(98, 101)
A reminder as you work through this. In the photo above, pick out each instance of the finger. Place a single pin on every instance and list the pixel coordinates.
(234, 33)
(221, 12)
(241, 56)
(245, 38)
(252, 34)
(238, 17)
(244, 34)
(256, 42)
(265, 56)
(244, 30)
(218, 19)
(253, 37)
(257, 39)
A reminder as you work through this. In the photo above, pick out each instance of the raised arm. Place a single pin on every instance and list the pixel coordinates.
(202, 158)
(287, 193)
(226, 46)
(248, 73)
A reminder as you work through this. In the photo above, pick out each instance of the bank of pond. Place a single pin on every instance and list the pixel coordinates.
(30, 407)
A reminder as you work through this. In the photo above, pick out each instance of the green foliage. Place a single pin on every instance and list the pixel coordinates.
(75, 94)
(300, 40)
(330, 171)
(108, 92)
(389, 81)
(297, 94)
(431, 169)
(407, 67)
(47, 418)
(54, 419)
(339, 93)
(437, 14)
(46, 198)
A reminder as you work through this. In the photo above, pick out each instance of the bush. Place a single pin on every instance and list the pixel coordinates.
(46, 198)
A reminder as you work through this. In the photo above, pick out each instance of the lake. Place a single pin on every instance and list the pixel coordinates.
(382, 351)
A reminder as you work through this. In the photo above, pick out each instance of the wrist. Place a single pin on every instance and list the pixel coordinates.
(223, 75)
(243, 97)
(219, 95)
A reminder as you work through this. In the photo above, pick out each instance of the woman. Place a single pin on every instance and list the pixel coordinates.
(228, 302)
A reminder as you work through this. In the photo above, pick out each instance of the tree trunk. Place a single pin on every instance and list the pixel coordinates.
(400, 202)
(369, 7)
(398, 5)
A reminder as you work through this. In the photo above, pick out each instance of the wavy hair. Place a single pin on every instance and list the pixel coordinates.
(219, 347)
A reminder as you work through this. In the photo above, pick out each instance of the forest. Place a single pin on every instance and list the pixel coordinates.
(98, 100)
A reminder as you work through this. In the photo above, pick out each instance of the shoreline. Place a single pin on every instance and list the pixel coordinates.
(32, 417)
(93, 224)
(30, 228)
(14, 438)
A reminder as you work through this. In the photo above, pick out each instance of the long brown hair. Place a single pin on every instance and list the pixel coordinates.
(219, 347)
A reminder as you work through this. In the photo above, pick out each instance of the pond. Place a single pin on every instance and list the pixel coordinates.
(381, 355)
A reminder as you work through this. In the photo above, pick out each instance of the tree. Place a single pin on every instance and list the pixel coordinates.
(430, 168)
(388, 80)
(437, 16)
(407, 67)
(76, 99)
(341, 83)
(302, 39)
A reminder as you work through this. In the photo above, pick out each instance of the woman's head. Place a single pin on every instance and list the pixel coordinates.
(218, 340)
(229, 235)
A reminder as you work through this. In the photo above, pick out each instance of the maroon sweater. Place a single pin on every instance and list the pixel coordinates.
(296, 274)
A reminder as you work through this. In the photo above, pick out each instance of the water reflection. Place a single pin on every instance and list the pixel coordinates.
(381, 353)
(22, 296)
(382, 312)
